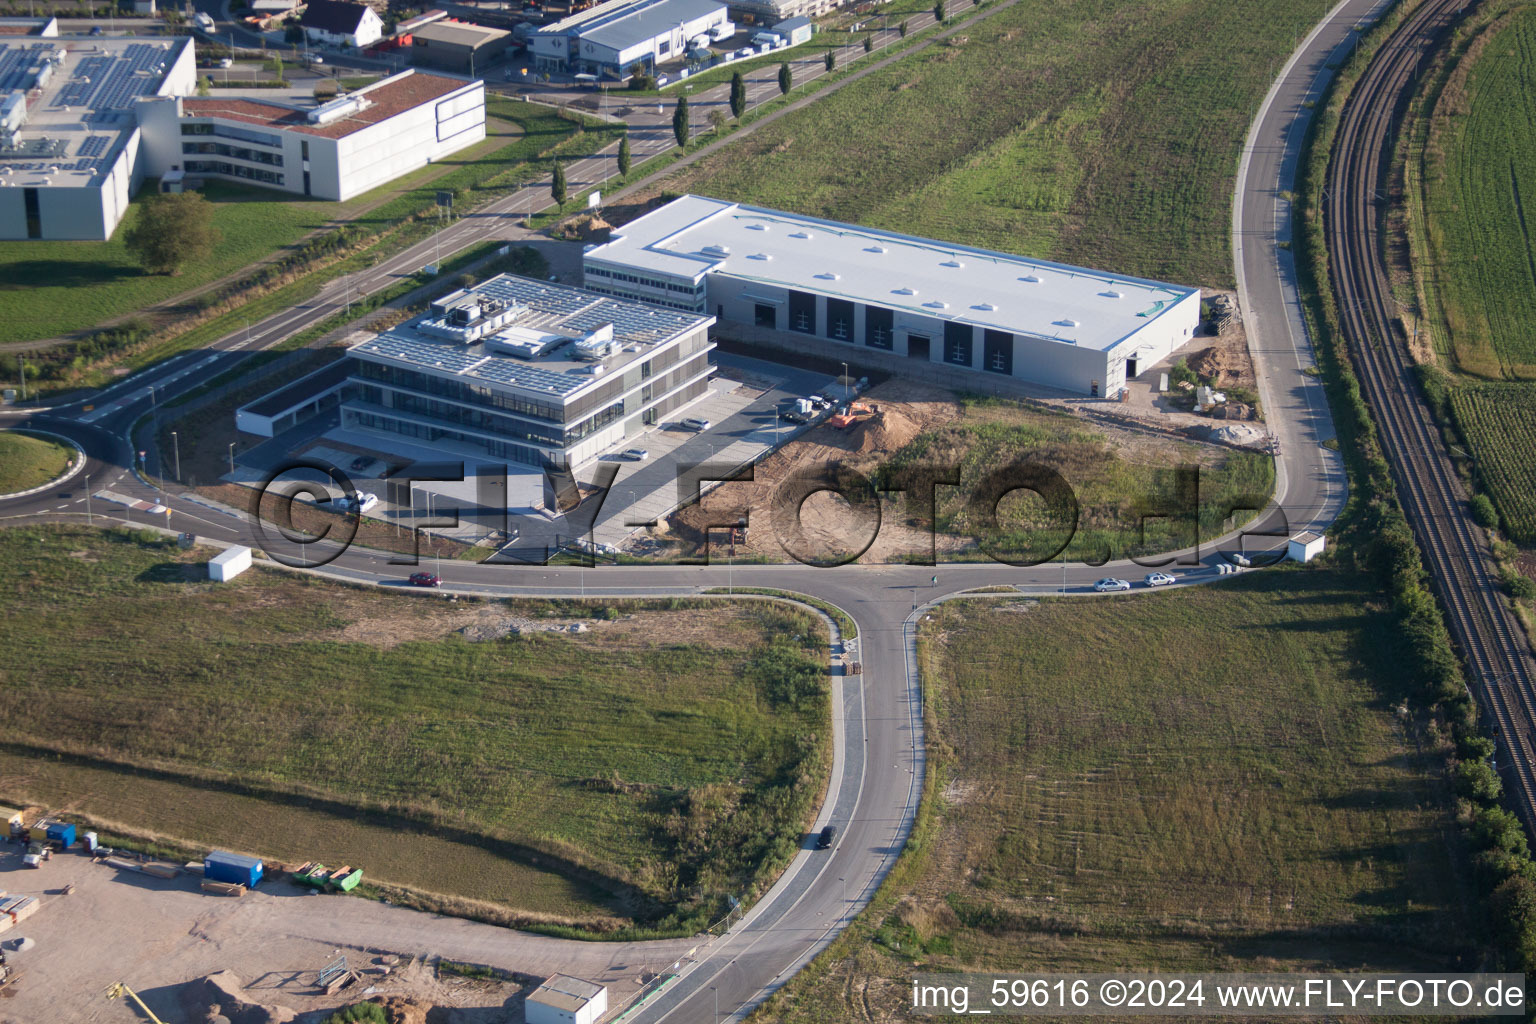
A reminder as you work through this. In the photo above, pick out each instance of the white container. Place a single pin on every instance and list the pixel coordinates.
(90, 842)
(229, 563)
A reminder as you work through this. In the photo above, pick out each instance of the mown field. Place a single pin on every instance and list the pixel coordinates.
(1499, 422)
(1479, 195)
(667, 756)
(1207, 780)
(1113, 482)
(1090, 131)
(52, 288)
(28, 461)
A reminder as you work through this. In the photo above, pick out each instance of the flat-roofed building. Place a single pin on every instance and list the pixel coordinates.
(528, 371)
(333, 149)
(42, 27)
(458, 45)
(902, 301)
(566, 1000)
(69, 134)
(616, 38)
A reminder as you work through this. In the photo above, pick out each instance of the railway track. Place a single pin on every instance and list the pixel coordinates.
(1433, 499)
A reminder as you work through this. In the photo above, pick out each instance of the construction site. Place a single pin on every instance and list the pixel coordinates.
(228, 938)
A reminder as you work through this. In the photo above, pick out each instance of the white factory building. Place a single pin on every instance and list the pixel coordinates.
(566, 1000)
(895, 300)
(70, 142)
(618, 37)
(85, 120)
(334, 149)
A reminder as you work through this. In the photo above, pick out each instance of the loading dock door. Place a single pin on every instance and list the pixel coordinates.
(919, 347)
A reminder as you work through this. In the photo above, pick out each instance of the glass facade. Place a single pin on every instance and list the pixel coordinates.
(231, 132)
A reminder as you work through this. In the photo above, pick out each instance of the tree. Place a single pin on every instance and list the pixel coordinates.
(277, 67)
(786, 78)
(1513, 908)
(938, 10)
(902, 29)
(718, 121)
(831, 59)
(680, 121)
(557, 184)
(624, 156)
(204, 85)
(1477, 780)
(172, 230)
(738, 95)
(1483, 511)
(869, 43)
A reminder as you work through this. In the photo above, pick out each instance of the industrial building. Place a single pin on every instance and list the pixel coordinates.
(896, 301)
(333, 149)
(773, 12)
(458, 45)
(336, 23)
(620, 37)
(69, 138)
(566, 1000)
(527, 371)
(44, 28)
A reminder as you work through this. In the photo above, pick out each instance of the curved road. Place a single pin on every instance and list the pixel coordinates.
(879, 732)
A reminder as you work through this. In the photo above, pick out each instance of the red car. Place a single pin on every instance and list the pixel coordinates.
(425, 579)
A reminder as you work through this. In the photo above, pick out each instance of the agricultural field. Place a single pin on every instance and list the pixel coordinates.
(1225, 788)
(1498, 421)
(1479, 197)
(28, 461)
(1091, 131)
(665, 758)
(52, 288)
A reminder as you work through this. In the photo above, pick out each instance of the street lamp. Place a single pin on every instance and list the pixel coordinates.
(845, 382)
(176, 445)
(232, 458)
(88, 517)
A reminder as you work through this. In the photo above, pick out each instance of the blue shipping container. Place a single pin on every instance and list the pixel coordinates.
(235, 868)
(61, 833)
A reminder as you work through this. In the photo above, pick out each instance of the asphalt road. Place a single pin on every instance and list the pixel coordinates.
(879, 734)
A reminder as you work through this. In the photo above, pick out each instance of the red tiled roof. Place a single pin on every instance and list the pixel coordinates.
(394, 96)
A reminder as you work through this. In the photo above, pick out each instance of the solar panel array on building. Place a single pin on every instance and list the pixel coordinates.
(895, 300)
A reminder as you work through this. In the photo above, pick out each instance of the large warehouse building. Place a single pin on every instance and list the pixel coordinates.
(829, 288)
(527, 371)
(335, 149)
(69, 138)
(619, 36)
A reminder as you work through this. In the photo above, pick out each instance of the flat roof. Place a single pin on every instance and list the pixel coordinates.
(694, 235)
(462, 33)
(384, 99)
(638, 329)
(566, 993)
(80, 92)
(626, 22)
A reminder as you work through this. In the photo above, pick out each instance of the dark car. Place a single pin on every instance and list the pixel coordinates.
(95, 30)
(361, 463)
(795, 417)
(425, 579)
(824, 841)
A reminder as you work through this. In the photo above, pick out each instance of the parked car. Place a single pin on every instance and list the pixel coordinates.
(425, 579)
(698, 423)
(636, 454)
(824, 841)
(361, 463)
(226, 63)
(1159, 579)
(1109, 585)
(359, 503)
(795, 417)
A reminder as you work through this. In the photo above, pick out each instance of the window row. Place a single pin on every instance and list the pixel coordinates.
(255, 156)
(234, 171)
(230, 132)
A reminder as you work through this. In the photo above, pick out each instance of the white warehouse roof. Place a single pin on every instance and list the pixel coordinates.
(694, 235)
(627, 24)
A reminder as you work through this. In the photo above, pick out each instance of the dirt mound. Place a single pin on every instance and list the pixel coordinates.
(885, 431)
(400, 1010)
(588, 227)
(1225, 363)
(223, 995)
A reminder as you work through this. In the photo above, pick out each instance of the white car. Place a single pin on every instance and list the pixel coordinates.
(1109, 585)
(637, 454)
(697, 423)
(362, 503)
(226, 63)
(1159, 579)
